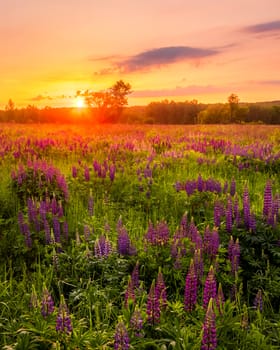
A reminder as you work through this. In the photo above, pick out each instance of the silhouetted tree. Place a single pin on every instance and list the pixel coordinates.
(233, 101)
(109, 103)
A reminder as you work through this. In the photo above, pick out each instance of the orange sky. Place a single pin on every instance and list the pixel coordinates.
(173, 49)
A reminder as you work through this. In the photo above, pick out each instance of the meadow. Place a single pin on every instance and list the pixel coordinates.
(139, 237)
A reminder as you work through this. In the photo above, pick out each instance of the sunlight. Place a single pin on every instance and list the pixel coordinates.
(80, 103)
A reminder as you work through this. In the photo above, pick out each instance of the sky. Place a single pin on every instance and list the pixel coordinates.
(166, 49)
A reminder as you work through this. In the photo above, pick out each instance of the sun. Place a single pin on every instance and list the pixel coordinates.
(80, 103)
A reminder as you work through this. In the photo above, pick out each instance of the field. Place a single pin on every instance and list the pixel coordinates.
(139, 237)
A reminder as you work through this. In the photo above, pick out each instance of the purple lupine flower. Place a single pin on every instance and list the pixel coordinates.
(220, 298)
(191, 289)
(218, 213)
(267, 199)
(112, 172)
(74, 172)
(86, 232)
(90, 204)
(86, 173)
(246, 206)
(158, 235)
(232, 187)
(63, 319)
(229, 215)
(47, 305)
(198, 264)
(160, 290)
(136, 323)
(200, 183)
(54, 206)
(252, 222)
(258, 301)
(234, 254)
(121, 338)
(124, 245)
(56, 229)
(31, 210)
(214, 244)
(43, 210)
(209, 336)
(153, 306)
(102, 247)
(207, 237)
(129, 295)
(27, 235)
(47, 231)
(135, 275)
(210, 287)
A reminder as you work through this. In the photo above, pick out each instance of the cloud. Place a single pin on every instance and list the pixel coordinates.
(156, 57)
(263, 27)
(180, 91)
(41, 98)
(164, 56)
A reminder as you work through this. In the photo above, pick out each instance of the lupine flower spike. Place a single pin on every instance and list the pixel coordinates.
(122, 340)
(209, 336)
(63, 320)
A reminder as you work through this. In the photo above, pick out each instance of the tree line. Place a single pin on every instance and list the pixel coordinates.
(110, 106)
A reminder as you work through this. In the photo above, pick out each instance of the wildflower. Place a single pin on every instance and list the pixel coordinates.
(86, 232)
(102, 247)
(218, 213)
(234, 254)
(232, 187)
(160, 290)
(129, 293)
(136, 323)
(246, 207)
(124, 245)
(159, 235)
(56, 229)
(47, 306)
(135, 275)
(86, 173)
(63, 320)
(220, 298)
(267, 199)
(34, 302)
(112, 172)
(121, 337)
(191, 286)
(74, 172)
(258, 301)
(229, 215)
(153, 306)
(209, 336)
(210, 287)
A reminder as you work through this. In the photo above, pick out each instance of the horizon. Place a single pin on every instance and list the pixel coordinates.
(171, 50)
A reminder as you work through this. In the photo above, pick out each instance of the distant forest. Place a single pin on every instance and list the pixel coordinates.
(164, 112)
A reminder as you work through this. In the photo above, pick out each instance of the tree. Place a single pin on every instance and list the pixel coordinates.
(109, 103)
(10, 110)
(233, 101)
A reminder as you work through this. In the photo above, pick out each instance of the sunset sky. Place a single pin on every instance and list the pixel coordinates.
(174, 49)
